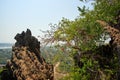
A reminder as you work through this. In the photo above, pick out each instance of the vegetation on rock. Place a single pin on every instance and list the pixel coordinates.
(86, 38)
(80, 49)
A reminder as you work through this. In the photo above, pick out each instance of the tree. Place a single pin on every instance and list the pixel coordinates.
(83, 33)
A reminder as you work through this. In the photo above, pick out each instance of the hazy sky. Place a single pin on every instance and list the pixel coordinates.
(18, 15)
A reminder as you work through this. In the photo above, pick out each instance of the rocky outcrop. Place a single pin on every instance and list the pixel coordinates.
(26, 62)
(29, 41)
(114, 33)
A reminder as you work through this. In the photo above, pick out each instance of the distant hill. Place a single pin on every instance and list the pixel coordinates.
(5, 54)
(6, 45)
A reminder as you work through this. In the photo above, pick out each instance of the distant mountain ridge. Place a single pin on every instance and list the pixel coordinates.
(6, 45)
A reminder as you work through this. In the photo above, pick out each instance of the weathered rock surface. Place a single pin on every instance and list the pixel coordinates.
(26, 62)
(114, 33)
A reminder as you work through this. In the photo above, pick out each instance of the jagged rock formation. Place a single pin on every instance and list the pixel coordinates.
(114, 33)
(115, 37)
(27, 40)
(26, 62)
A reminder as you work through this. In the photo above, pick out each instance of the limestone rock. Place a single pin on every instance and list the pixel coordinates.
(114, 33)
(26, 62)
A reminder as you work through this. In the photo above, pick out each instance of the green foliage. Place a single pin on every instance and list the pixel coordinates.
(1, 69)
(83, 73)
(82, 34)
(65, 61)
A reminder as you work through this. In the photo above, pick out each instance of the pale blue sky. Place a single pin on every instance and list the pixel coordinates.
(18, 15)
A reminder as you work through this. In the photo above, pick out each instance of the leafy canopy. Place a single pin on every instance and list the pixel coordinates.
(83, 33)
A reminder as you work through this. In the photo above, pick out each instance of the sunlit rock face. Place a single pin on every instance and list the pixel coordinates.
(26, 62)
